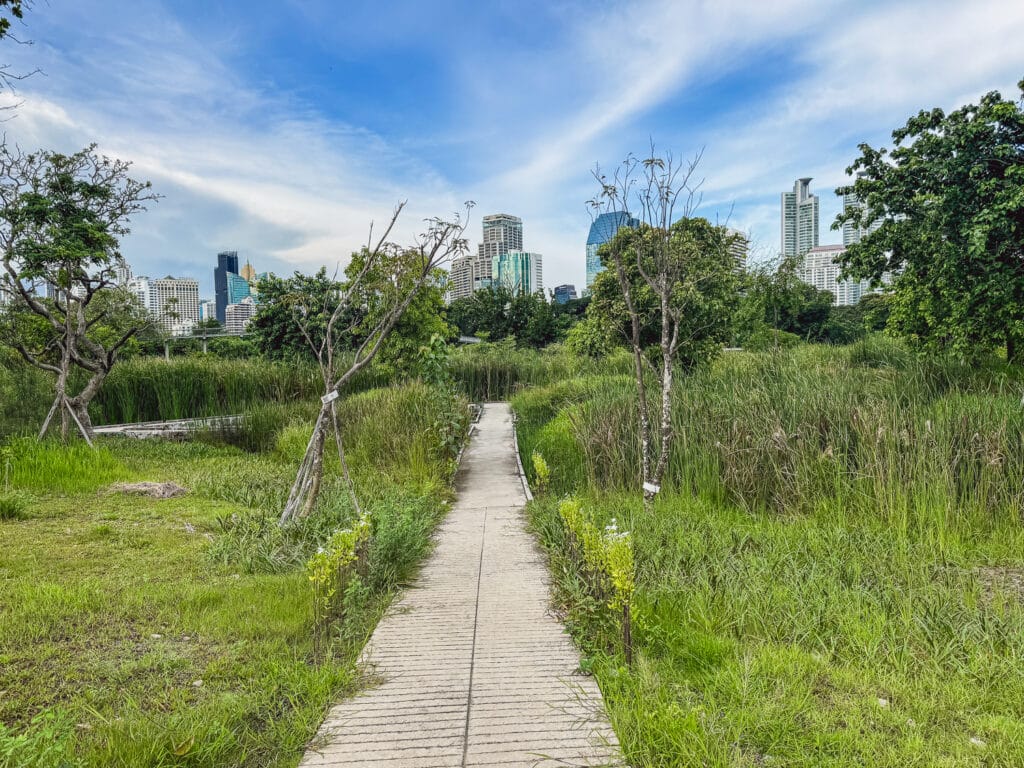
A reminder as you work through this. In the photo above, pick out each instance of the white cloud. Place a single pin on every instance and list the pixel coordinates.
(255, 168)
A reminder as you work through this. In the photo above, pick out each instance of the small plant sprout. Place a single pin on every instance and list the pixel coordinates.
(541, 471)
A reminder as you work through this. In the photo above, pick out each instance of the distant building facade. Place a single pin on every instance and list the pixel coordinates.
(739, 248)
(565, 293)
(207, 310)
(122, 272)
(227, 263)
(799, 219)
(502, 233)
(238, 288)
(468, 275)
(853, 232)
(238, 316)
(820, 267)
(521, 272)
(172, 301)
(602, 230)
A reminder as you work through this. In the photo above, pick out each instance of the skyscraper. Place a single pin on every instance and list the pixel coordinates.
(227, 262)
(602, 230)
(238, 288)
(820, 267)
(501, 233)
(852, 233)
(799, 219)
(238, 316)
(739, 248)
(520, 272)
(172, 301)
(565, 293)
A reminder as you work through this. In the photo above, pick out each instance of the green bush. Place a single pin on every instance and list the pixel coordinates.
(13, 505)
(764, 339)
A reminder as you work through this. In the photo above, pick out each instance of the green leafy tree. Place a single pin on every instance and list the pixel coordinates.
(274, 329)
(382, 282)
(875, 309)
(541, 327)
(707, 321)
(950, 199)
(61, 220)
(484, 314)
(590, 337)
(497, 313)
(777, 307)
(423, 317)
(677, 288)
(11, 9)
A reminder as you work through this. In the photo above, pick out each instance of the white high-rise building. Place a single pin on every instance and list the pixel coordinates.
(122, 272)
(207, 310)
(173, 301)
(799, 219)
(460, 278)
(502, 233)
(820, 267)
(852, 233)
(739, 248)
(238, 316)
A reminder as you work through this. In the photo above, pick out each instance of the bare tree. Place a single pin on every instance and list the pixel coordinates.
(677, 280)
(384, 278)
(61, 219)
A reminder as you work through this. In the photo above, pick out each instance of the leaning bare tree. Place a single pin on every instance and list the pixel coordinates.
(671, 291)
(61, 220)
(383, 280)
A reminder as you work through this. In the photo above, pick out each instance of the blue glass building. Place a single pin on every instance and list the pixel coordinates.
(227, 263)
(565, 293)
(601, 231)
(238, 288)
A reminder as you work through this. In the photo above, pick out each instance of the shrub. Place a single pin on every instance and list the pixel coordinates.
(13, 505)
(770, 338)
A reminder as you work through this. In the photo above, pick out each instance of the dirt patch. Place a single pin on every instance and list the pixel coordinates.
(1001, 579)
(152, 490)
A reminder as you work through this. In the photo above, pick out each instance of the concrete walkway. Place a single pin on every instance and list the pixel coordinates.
(472, 668)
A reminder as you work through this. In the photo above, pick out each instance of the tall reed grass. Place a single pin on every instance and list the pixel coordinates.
(490, 372)
(870, 426)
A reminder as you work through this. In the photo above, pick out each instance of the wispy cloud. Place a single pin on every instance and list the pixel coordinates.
(510, 106)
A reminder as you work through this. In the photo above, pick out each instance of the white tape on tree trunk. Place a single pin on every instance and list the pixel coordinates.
(330, 397)
(651, 487)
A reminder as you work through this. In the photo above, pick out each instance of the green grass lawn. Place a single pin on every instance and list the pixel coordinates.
(178, 632)
(812, 641)
(822, 592)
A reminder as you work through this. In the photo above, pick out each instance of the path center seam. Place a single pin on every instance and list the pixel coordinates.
(472, 653)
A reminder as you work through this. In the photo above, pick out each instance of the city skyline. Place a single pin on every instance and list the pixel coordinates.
(770, 92)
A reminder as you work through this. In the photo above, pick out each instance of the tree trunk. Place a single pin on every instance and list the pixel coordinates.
(316, 468)
(306, 487)
(344, 463)
(1013, 349)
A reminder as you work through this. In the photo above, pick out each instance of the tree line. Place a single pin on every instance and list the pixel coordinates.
(948, 199)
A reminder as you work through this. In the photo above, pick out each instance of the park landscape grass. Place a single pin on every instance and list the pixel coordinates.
(832, 576)
(834, 573)
(144, 632)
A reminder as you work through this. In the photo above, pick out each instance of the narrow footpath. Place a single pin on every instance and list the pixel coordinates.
(469, 667)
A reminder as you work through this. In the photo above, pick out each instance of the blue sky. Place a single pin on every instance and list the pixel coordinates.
(282, 128)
